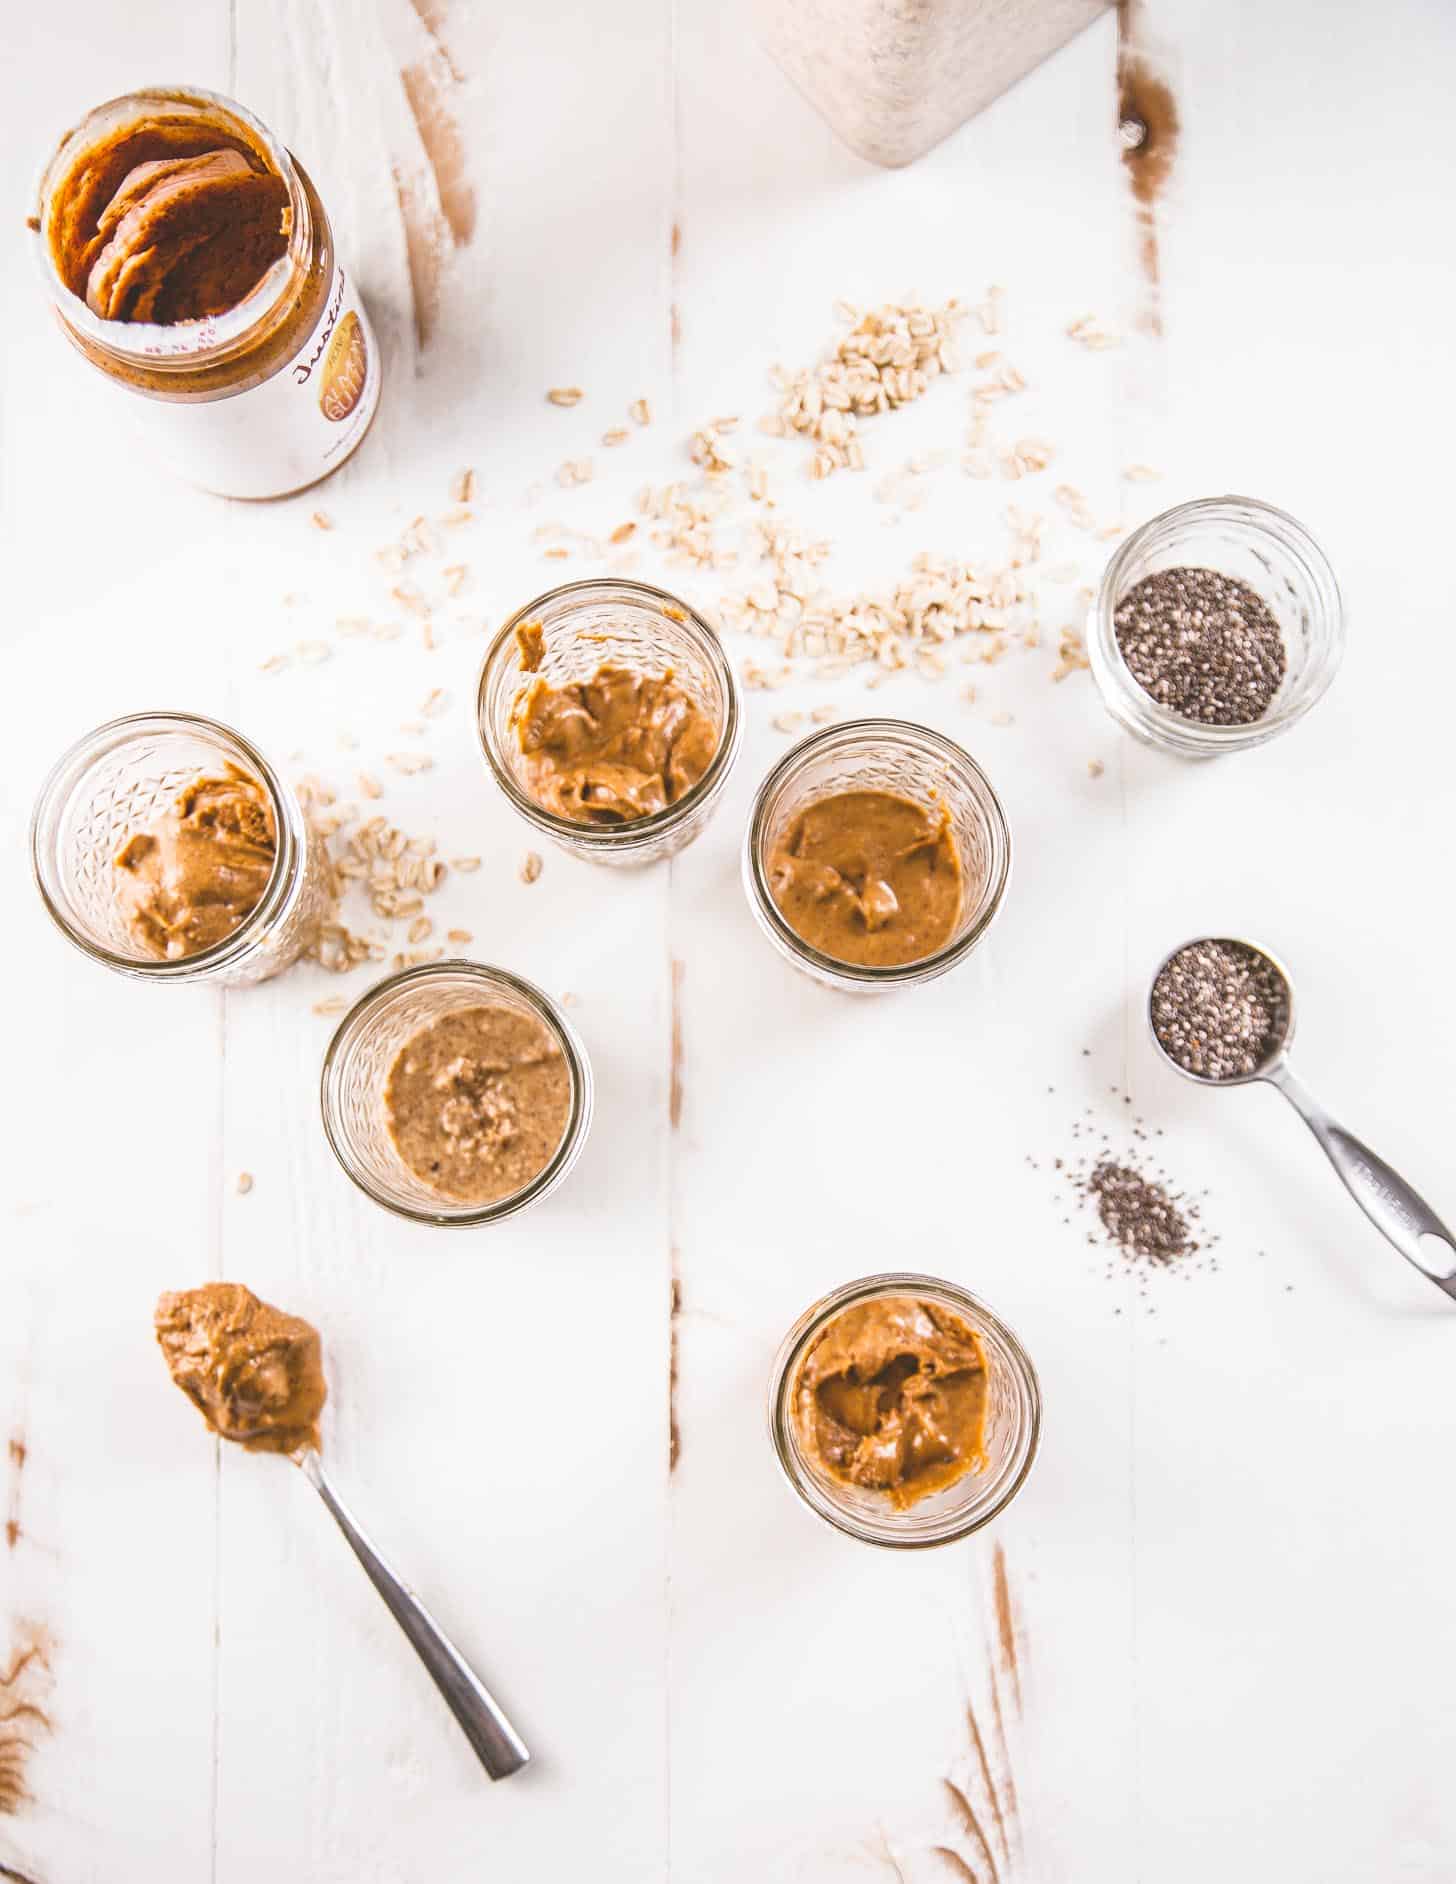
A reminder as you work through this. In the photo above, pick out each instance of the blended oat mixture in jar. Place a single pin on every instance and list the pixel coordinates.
(254, 1373)
(869, 877)
(192, 878)
(609, 750)
(478, 1101)
(891, 1398)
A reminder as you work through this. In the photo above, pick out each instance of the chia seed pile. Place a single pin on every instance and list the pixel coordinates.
(1204, 645)
(1140, 1215)
(1144, 1223)
(1220, 1009)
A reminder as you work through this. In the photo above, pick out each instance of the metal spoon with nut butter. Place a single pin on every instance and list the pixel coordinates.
(1221, 1013)
(255, 1375)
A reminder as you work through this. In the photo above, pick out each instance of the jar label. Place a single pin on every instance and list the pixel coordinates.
(290, 431)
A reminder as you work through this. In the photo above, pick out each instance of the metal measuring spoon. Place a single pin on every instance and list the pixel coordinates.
(1397, 1211)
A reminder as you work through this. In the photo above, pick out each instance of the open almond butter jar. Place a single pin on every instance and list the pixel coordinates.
(190, 260)
(608, 715)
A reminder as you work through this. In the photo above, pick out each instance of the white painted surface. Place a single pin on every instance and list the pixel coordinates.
(1232, 1559)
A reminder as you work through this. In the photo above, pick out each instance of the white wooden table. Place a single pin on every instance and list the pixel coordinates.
(1227, 1582)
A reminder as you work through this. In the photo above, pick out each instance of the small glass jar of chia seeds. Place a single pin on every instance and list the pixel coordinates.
(109, 792)
(1238, 691)
(564, 643)
(1010, 1431)
(359, 1068)
(905, 762)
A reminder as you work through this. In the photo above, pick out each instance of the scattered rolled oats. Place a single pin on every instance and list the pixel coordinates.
(244, 1183)
(622, 533)
(459, 936)
(321, 520)
(565, 395)
(639, 412)
(530, 867)
(888, 358)
(462, 487)
(1089, 332)
(617, 435)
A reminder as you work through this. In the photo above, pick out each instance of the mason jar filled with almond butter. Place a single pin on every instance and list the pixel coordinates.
(189, 258)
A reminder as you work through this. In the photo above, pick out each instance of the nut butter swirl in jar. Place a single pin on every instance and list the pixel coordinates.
(166, 847)
(608, 716)
(189, 259)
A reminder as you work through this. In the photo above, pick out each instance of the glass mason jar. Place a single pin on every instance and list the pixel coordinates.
(586, 624)
(266, 398)
(1012, 1432)
(364, 1049)
(888, 756)
(1279, 560)
(120, 779)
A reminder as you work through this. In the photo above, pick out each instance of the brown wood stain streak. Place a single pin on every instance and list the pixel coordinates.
(956, 1862)
(431, 15)
(1008, 1782)
(24, 1658)
(427, 89)
(18, 1454)
(675, 1049)
(426, 242)
(674, 1439)
(966, 1813)
(1006, 1629)
(991, 1789)
(15, 1748)
(1145, 103)
(15, 1877)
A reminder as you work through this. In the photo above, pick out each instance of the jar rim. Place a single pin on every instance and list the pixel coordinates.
(1160, 723)
(794, 1347)
(579, 1073)
(284, 881)
(184, 346)
(861, 975)
(641, 831)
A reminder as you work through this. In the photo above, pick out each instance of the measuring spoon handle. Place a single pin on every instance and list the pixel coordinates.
(498, 1747)
(1400, 1213)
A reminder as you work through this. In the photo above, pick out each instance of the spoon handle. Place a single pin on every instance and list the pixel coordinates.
(1396, 1210)
(499, 1748)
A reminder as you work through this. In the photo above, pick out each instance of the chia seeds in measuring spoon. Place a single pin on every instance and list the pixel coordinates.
(1204, 645)
(1220, 1009)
